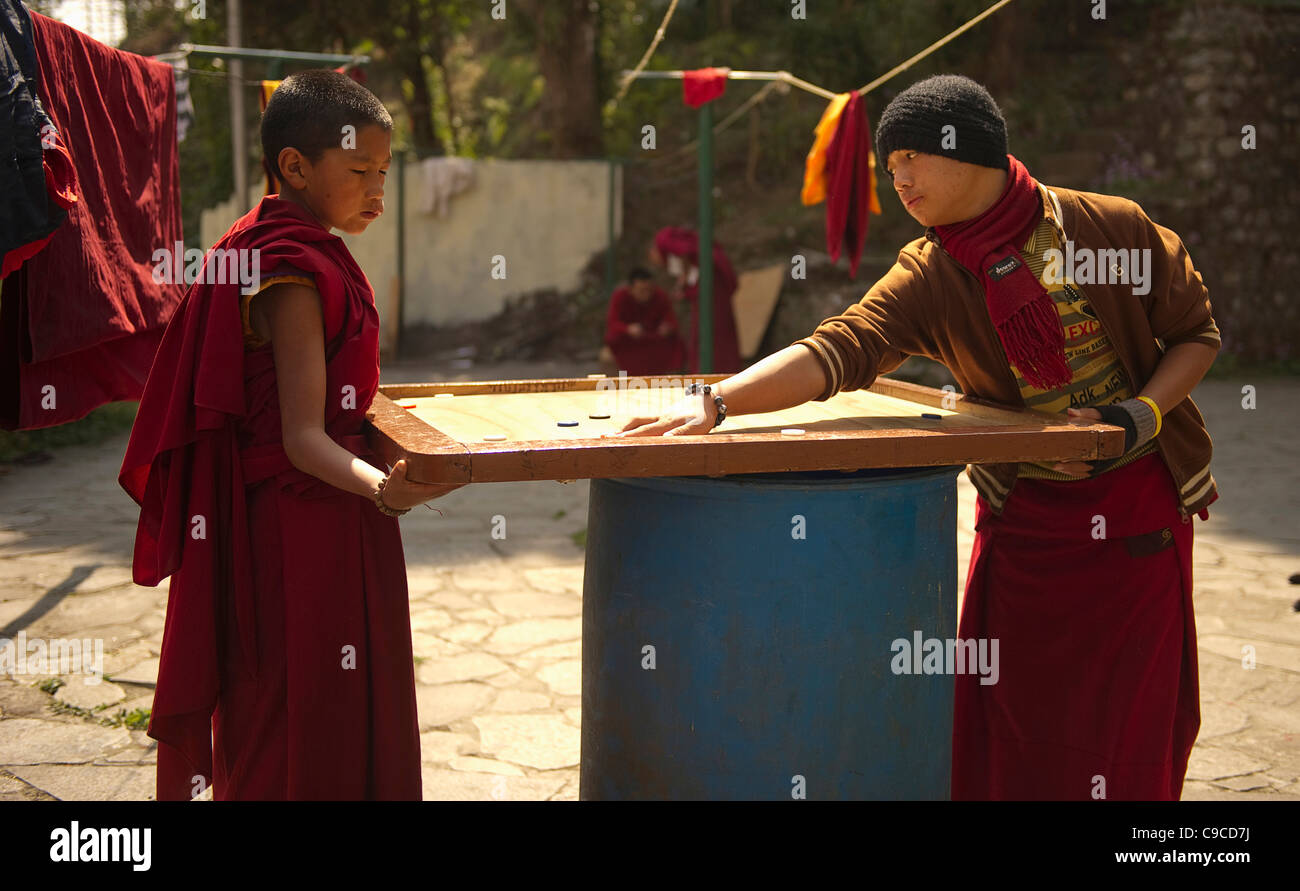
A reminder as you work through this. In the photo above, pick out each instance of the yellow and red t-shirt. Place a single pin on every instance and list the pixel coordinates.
(1098, 376)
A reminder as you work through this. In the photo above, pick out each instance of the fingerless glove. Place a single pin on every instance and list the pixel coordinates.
(1135, 416)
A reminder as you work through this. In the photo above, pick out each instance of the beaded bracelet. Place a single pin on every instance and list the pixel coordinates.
(379, 501)
(707, 390)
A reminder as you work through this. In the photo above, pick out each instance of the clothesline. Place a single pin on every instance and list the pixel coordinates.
(802, 84)
(628, 77)
(862, 91)
(244, 81)
(261, 55)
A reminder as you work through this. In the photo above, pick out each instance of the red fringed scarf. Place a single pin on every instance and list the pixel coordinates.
(1024, 315)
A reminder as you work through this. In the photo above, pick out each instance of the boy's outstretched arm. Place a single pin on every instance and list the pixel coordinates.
(291, 313)
(786, 378)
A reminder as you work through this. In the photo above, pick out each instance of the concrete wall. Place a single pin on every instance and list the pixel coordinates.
(546, 219)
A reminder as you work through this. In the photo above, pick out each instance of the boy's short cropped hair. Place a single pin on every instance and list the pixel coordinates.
(639, 273)
(309, 110)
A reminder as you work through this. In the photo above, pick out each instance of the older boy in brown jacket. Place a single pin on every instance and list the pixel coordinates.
(1068, 302)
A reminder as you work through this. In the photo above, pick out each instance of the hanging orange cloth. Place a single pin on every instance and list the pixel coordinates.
(814, 175)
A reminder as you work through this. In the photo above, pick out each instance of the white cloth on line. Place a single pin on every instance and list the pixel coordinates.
(443, 178)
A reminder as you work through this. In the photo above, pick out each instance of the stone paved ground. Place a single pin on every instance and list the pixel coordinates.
(497, 623)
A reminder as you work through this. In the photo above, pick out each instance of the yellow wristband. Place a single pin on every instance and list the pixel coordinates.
(1155, 408)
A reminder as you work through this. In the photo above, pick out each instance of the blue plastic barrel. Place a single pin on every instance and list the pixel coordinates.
(725, 657)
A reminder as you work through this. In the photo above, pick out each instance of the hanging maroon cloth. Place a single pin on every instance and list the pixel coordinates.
(703, 85)
(652, 352)
(286, 667)
(848, 184)
(684, 243)
(86, 313)
(1097, 676)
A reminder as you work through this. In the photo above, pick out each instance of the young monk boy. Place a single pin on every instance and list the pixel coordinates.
(286, 669)
(1019, 289)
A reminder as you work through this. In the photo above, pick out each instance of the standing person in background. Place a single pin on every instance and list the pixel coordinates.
(677, 248)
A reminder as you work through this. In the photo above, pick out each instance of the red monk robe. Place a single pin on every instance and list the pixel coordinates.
(676, 241)
(651, 352)
(1067, 720)
(288, 630)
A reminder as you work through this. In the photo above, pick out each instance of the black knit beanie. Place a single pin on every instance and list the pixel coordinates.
(918, 117)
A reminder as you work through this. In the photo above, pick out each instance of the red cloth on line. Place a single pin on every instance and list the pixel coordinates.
(89, 298)
(651, 353)
(1097, 648)
(684, 243)
(848, 184)
(704, 85)
(76, 383)
(293, 575)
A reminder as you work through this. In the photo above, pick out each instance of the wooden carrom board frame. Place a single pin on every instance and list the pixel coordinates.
(434, 457)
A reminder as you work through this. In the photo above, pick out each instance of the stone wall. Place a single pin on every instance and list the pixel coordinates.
(1216, 69)
(1148, 104)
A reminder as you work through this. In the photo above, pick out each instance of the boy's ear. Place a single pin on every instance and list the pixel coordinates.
(292, 163)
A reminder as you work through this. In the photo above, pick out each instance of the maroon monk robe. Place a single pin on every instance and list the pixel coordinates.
(652, 352)
(1097, 673)
(90, 315)
(288, 630)
(684, 243)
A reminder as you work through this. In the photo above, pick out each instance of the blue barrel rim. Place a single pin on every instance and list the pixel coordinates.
(819, 479)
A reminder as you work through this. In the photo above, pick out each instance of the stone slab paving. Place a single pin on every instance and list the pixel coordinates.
(497, 621)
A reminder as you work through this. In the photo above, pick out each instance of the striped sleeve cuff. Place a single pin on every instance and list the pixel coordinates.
(1207, 334)
(831, 361)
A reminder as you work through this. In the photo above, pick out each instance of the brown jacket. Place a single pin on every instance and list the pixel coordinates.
(929, 305)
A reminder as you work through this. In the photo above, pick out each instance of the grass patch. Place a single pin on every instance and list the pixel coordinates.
(559, 514)
(103, 423)
(580, 538)
(136, 719)
(50, 685)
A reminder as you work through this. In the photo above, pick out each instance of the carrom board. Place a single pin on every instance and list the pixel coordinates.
(500, 431)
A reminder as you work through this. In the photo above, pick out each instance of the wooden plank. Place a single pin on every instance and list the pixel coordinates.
(545, 385)
(772, 453)
(851, 431)
(756, 293)
(431, 456)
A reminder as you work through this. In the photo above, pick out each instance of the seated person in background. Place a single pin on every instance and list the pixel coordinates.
(641, 329)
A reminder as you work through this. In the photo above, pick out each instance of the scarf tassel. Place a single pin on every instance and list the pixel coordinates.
(1041, 362)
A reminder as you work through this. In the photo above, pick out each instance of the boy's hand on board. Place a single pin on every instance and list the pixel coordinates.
(689, 417)
(401, 493)
(1079, 416)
